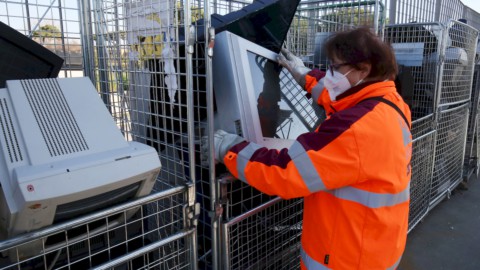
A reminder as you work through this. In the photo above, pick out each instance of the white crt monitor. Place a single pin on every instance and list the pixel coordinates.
(63, 156)
(255, 97)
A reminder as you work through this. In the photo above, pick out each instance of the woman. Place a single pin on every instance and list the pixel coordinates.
(353, 171)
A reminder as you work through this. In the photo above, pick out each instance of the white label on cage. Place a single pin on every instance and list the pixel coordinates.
(409, 54)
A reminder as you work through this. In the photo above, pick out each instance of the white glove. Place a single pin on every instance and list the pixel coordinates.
(222, 142)
(294, 65)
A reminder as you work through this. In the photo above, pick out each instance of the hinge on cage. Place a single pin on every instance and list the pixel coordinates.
(191, 194)
(191, 214)
(223, 182)
(218, 211)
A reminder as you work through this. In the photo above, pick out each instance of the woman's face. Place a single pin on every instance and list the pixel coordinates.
(354, 75)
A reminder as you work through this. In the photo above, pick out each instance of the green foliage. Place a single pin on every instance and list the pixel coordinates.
(349, 16)
(47, 31)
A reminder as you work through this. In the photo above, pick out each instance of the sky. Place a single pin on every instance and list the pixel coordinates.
(473, 4)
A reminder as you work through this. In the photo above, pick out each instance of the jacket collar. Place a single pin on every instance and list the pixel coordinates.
(360, 92)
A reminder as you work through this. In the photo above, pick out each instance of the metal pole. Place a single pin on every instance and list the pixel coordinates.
(62, 37)
(376, 17)
(145, 250)
(189, 50)
(85, 37)
(102, 54)
(28, 17)
(393, 11)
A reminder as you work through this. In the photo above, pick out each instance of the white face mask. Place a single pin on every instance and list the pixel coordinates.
(336, 84)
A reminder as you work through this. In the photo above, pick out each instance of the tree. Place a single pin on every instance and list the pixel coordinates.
(47, 31)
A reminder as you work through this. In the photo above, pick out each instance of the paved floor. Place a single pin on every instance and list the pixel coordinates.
(449, 236)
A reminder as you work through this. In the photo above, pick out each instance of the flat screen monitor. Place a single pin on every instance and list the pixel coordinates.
(255, 97)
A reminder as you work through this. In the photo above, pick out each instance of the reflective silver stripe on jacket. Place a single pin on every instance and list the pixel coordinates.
(395, 265)
(317, 90)
(305, 168)
(371, 199)
(310, 263)
(243, 158)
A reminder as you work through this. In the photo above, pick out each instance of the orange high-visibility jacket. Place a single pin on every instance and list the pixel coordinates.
(354, 175)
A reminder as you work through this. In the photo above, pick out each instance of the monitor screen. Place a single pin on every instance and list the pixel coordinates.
(255, 97)
(276, 116)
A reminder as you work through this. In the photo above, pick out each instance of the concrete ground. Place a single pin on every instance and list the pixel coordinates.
(449, 236)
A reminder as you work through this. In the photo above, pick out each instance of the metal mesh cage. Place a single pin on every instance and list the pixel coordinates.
(152, 227)
(471, 154)
(477, 146)
(416, 47)
(449, 150)
(268, 237)
(407, 11)
(141, 68)
(315, 21)
(458, 57)
(422, 170)
(306, 109)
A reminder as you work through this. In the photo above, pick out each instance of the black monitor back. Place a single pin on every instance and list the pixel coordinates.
(263, 22)
(23, 58)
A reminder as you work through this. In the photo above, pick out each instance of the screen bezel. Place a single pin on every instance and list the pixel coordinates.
(234, 65)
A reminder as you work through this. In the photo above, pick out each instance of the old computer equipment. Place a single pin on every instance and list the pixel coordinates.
(62, 156)
(255, 97)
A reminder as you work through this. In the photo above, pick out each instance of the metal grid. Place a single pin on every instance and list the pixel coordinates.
(268, 237)
(422, 170)
(471, 153)
(315, 21)
(416, 48)
(449, 9)
(142, 62)
(472, 17)
(306, 109)
(458, 57)
(139, 67)
(54, 24)
(449, 151)
(154, 223)
(477, 146)
(408, 11)
(239, 198)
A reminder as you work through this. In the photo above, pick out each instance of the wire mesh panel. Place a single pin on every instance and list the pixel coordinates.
(53, 24)
(408, 11)
(142, 65)
(422, 171)
(449, 9)
(315, 21)
(268, 237)
(471, 154)
(417, 48)
(458, 59)
(477, 146)
(139, 68)
(92, 240)
(449, 150)
(472, 17)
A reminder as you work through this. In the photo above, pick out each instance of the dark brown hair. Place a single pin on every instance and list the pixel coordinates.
(360, 45)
